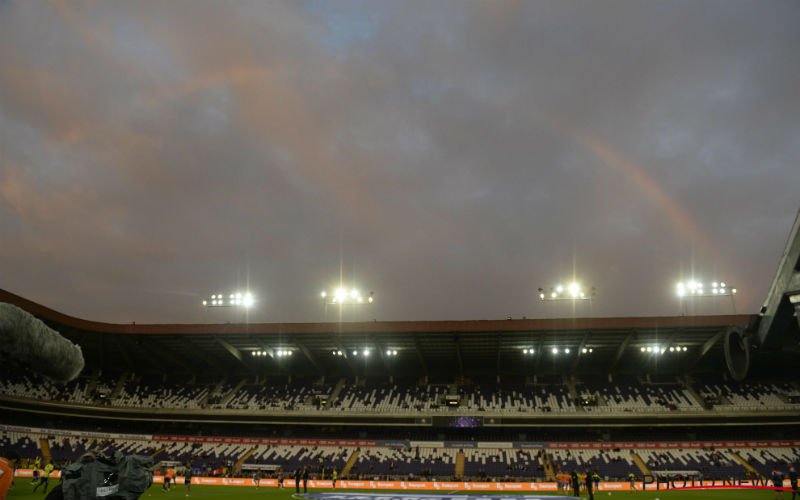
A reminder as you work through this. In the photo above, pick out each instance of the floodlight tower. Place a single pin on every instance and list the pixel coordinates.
(573, 291)
(235, 299)
(690, 290)
(346, 298)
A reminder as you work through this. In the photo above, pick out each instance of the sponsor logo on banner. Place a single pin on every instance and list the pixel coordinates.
(495, 445)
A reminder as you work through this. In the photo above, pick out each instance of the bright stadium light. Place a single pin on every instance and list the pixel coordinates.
(693, 288)
(343, 296)
(571, 291)
(236, 299)
(554, 350)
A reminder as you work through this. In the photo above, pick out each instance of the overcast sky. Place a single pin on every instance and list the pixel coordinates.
(452, 156)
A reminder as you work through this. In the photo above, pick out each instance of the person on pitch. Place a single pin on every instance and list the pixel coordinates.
(187, 478)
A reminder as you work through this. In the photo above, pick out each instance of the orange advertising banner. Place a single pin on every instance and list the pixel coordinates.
(441, 486)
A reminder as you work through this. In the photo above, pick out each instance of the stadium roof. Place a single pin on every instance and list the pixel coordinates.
(434, 348)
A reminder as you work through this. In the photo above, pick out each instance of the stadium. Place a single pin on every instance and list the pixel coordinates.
(507, 405)
(399, 250)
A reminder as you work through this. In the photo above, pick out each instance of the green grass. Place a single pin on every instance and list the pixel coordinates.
(23, 490)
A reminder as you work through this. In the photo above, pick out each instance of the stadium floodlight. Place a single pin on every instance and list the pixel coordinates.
(571, 291)
(237, 299)
(391, 352)
(554, 350)
(587, 350)
(528, 350)
(693, 288)
(344, 296)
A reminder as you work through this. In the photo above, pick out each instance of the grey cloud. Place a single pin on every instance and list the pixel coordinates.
(453, 156)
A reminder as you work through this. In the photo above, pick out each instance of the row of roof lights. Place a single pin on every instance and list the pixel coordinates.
(279, 353)
(656, 349)
(555, 350)
(661, 350)
(364, 352)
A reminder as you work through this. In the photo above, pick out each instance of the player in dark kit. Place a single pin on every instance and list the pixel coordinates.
(280, 478)
(777, 482)
(187, 479)
(305, 480)
(576, 483)
(297, 480)
(793, 481)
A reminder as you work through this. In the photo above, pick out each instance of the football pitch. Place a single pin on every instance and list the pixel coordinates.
(23, 490)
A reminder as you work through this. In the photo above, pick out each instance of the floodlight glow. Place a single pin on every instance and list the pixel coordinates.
(571, 291)
(355, 353)
(343, 295)
(566, 350)
(366, 352)
(642, 349)
(524, 351)
(685, 348)
(394, 352)
(671, 349)
(584, 350)
(555, 350)
(236, 299)
(695, 288)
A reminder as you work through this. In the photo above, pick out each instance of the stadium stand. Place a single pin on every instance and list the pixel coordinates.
(382, 396)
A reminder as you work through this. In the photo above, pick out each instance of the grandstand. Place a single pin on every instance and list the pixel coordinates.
(515, 399)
